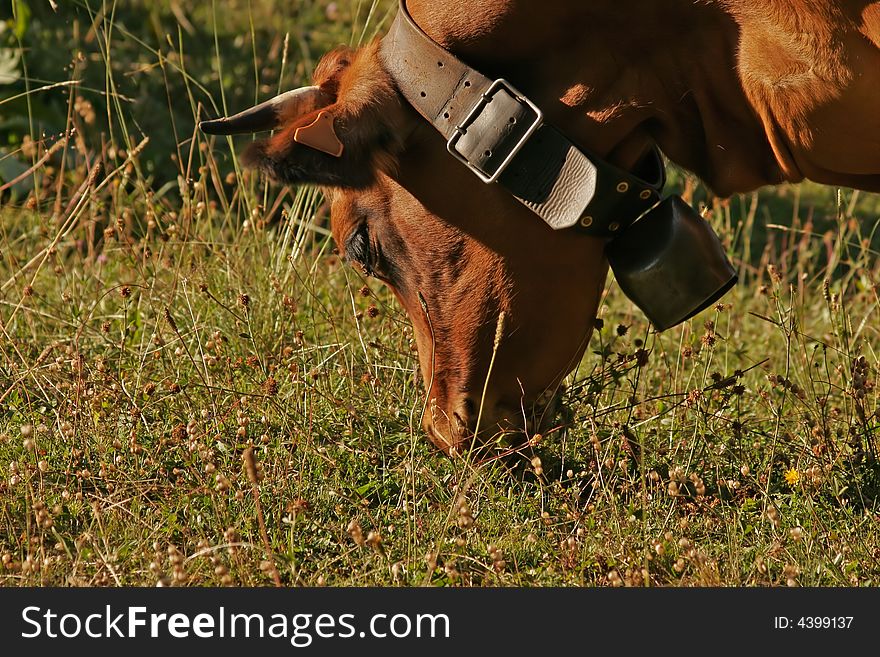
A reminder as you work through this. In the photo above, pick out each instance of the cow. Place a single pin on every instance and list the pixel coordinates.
(743, 93)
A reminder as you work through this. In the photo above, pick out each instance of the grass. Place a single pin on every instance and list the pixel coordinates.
(195, 391)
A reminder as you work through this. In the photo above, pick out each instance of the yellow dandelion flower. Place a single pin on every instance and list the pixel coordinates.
(792, 477)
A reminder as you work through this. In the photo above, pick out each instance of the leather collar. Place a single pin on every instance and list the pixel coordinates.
(502, 137)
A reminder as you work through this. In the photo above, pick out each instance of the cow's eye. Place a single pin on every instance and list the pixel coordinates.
(358, 249)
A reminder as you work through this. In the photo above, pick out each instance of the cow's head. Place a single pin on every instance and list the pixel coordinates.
(503, 306)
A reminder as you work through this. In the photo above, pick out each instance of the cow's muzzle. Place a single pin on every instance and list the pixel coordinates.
(671, 264)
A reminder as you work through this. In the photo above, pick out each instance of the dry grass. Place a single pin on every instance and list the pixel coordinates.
(164, 319)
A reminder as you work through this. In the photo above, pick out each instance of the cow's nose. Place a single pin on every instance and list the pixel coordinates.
(454, 427)
(450, 426)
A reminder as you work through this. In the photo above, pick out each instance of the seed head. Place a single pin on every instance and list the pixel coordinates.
(170, 319)
(270, 387)
(250, 465)
(374, 540)
(357, 535)
(536, 464)
(614, 579)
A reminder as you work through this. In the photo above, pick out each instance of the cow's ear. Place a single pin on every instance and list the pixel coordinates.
(344, 141)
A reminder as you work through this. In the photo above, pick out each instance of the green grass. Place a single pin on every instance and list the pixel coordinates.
(165, 317)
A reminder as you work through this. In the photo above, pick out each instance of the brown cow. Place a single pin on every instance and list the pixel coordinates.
(744, 93)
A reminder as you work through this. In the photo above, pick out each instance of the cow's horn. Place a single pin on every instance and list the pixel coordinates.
(267, 115)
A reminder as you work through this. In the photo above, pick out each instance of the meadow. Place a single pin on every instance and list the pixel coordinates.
(196, 391)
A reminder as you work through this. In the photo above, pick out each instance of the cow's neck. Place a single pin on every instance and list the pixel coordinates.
(663, 73)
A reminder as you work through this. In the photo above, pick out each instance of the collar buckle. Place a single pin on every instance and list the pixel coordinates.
(500, 91)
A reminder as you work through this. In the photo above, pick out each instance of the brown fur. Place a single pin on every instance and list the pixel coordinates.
(742, 92)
